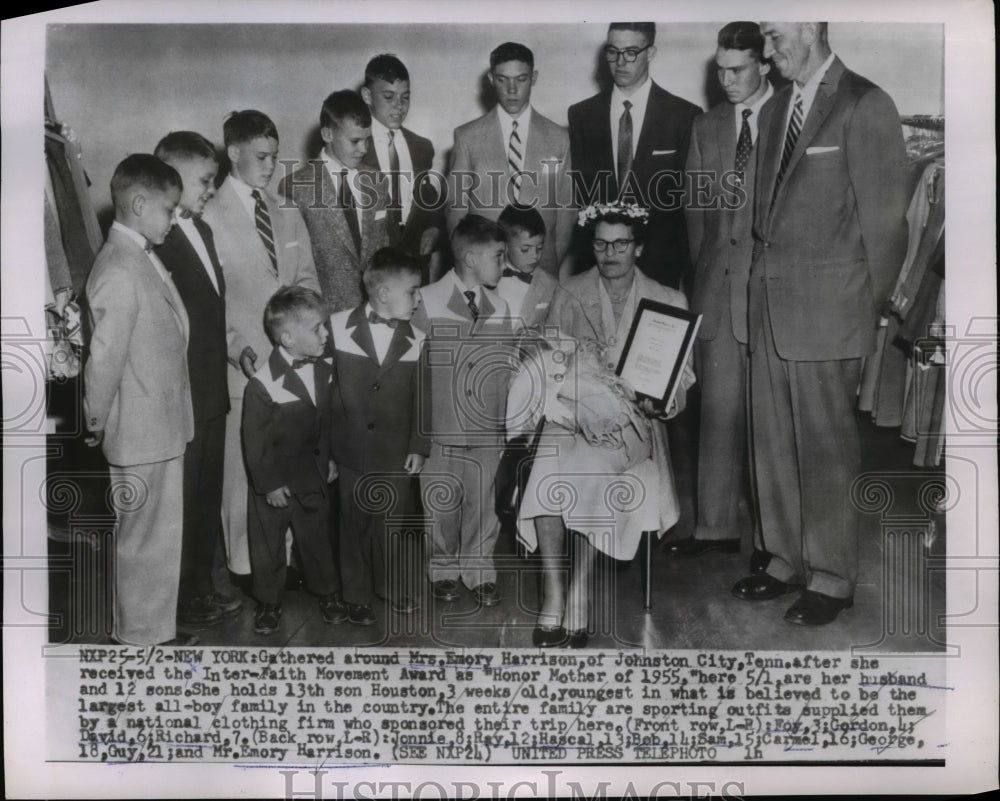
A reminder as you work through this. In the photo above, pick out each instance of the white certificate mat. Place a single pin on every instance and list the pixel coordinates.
(657, 348)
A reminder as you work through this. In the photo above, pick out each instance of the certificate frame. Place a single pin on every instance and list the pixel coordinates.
(658, 346)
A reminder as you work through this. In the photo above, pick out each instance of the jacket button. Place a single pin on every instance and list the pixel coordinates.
(767, 244)
(727, 271)
(732, 241)
(371, 426)
(376, 387)
(316, 452)
(468, 392)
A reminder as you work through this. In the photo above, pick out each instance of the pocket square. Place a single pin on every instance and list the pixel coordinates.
(663, 152)
(812, 151)
(541, 305)
(293, 244)
(380, 215)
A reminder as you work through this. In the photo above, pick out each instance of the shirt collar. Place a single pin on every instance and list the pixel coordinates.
(131, 233)
(809, 88)
(460, 284)
(638, 98)
(334, 166)
(756, 107)
(380, 133)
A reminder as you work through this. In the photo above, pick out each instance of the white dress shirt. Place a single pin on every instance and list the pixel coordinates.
(335, 168)
(380, 140)
(639, 100)
(523, 124)
(381, 335)
(753, 119)
(808, 91)
(186, 224)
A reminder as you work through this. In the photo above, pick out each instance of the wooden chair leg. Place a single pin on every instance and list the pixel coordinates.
(648, 578)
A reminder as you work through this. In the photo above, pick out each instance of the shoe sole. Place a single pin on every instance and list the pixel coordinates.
(797, 621)
(334, 621)
(489, 601)
(361, 622)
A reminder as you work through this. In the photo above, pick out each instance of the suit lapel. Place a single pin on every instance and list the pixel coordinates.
(367, 214)
(652, 118)
(209, 239)
(402, 338)
(361, 332)
(725, 136)
(290, 381)
(233, 210)
(152, 277)
(601, 128)
(770, 141)
(459, 306)
(338, 218)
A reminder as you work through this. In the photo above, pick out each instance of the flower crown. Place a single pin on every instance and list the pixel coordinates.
(595, 211)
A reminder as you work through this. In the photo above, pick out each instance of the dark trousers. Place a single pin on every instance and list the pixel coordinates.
(370, 545)
(308, 515)
(203, 542)
(806, 456)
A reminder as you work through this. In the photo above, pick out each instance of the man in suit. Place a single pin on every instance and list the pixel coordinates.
(719, 212)
(342, 200)
(630, 143)
(515, 141)
(262, 246)
(413, 221)
(137, 399)
(829, 238)
(188, 253)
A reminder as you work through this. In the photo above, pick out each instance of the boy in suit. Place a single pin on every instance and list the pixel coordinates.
(342, 200)
(527, 290)
(375, 417)
(413, 218)
(262, 246)
(286, 439)
(188, 253)
(137, 401)
(468, 361)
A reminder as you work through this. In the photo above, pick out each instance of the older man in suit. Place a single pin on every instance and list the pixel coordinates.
(262, 246)
(630, 143)
(413, 218)
(528, 151)
(720, 169)
(829, 238)
(342, 200)
(138, 401)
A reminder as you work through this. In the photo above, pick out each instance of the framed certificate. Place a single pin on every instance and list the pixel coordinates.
(658, 345)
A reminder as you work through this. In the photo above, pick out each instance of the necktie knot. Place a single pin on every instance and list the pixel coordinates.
(297, 363)
(392, 135)
(470, 297)
(375, 319)
(257, 196)
(509, 272)
(627, 104)
(746, 113)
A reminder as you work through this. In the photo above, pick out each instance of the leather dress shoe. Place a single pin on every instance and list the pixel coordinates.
(759, 561)
(404, 605)
(229, 604)
(181, 640)
(577, 639)
(549, 636)
(446, 590)
(762, 587)
(486, 594)
(333, 608)
(361, 615)
(199, 613)
(816, 609)
(690, 548)
(265, 619)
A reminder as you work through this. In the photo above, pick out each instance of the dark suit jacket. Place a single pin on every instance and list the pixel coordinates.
(206, 309)
(830, 245)
(719, 214)
(376, 406)
(658, 169)
(426, 210)
(338, 263)
(286, 437)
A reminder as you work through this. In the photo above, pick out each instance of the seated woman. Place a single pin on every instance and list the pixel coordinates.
(602, 469)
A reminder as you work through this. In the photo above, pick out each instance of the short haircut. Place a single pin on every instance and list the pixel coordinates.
(473, 230)
(648, 29)
(287, 303)
(385, 67)
(185, 145)
(343, 105)
(742, 36)
(516, 218)
(388, 263)
(241, 127)
(511, 51)
(145, 170)
(637, 225)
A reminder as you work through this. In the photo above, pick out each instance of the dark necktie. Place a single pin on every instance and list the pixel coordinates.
(375, 319)
(263, 222)
(394, 214)
(350, 212)
(511, 273)
(470, 297)
(624, 144)
(744, 145)
(515, 157)
(794, 129)
(297, 363)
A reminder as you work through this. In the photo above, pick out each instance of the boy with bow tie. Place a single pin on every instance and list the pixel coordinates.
(527, 290)
(286, 443)
(377, 353)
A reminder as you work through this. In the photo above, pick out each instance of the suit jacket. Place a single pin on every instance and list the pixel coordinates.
(535, 306)
(136, 377)
(658, 166)
(286, 437)
(425, 211)
(719, 214)
(249, 276)
(830, 244)
(467, 366)
(338, 263)
(376, 407)
(480, 149)
(206, 309)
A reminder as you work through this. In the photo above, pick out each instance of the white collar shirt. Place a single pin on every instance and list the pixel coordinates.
(753, 119)
(335, 168)
(380, 140)
(639, 100)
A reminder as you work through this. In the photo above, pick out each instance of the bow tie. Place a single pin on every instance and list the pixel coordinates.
(510, 273)
(374, 319)
(297, 363)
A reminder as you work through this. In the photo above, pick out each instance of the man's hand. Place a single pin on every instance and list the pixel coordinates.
(331, 473)
(414, 463)
(95, 438)
(428, 241)
(248, 363)
(651, 409)
(279, 497)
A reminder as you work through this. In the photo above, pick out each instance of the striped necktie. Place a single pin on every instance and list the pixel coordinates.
(470, 299)
(264, 230)
(794, 129)
(515, 158)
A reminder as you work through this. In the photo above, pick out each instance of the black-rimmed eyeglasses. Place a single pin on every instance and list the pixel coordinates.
(629, 54)
(617, 245)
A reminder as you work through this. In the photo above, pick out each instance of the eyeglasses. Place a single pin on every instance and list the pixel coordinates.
(629, 54)
(617, 245)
